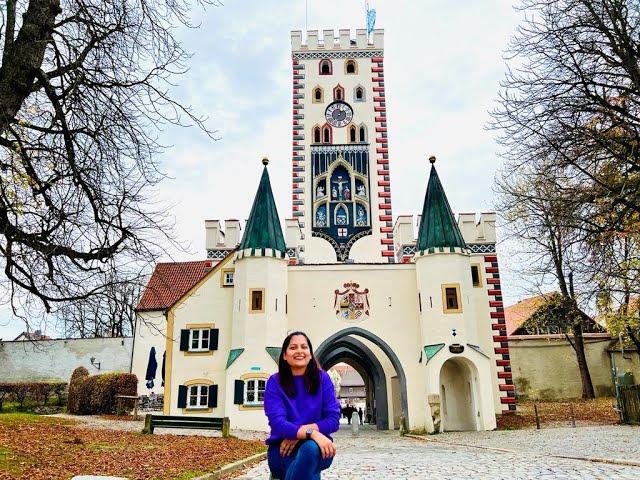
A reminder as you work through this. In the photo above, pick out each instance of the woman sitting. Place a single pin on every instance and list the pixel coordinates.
(300, 403)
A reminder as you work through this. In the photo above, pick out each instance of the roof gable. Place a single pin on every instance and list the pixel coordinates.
(171, 281)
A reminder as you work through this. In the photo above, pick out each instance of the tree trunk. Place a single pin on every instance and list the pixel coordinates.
(585, 376)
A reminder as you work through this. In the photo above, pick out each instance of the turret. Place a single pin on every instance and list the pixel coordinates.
(260, 275)
(443, 270)
(259, 307)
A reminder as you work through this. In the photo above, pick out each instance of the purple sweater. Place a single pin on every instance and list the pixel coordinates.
(286, 415)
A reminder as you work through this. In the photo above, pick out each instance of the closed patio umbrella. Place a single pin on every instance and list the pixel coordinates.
(164, 358)
(152, 366)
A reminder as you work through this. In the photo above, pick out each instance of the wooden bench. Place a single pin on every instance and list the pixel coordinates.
(152, 422)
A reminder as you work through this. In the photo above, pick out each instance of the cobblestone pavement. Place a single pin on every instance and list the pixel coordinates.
(607, 441)
(386, 456)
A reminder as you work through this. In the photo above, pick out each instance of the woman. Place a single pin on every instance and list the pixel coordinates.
(303, 412)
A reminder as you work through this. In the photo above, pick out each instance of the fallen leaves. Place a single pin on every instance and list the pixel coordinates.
(42, 448)
(559, 414)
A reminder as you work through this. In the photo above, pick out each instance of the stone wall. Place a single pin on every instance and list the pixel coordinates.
(55, 360)
(545, 367)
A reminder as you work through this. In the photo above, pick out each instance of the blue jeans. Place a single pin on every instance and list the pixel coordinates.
(304, 463)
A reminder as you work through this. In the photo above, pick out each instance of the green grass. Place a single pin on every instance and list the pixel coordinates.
(29, 406)
(24, 417)
(10, 463)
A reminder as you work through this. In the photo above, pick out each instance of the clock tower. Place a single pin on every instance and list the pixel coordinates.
(341, 183)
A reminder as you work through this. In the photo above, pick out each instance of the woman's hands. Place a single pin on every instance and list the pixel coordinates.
(327, 448)
(287, 446)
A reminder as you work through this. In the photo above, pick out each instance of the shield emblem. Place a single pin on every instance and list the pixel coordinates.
(351, 303)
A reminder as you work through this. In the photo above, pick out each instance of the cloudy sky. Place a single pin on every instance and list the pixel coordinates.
(443, 64)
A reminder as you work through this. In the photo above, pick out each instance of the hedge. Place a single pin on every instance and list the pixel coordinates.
(93, 394)
(39, 392)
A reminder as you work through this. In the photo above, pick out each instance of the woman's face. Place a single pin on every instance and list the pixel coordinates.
(298, 355)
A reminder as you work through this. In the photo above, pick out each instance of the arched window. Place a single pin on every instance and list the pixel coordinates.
(352, 134)
(338, 93)
(317, 95)
(326, 134)
(326, 67)
(359, 94)
(363, 134)
(316, 135)
(350, 67)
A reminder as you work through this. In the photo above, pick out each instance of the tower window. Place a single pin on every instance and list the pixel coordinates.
(256, 296)
(451, 301)
(316, 135)
(359, 94)
(317, 95)
(326, 67)
(352, 134)
(475, 276)
(363, 134)
(350, 67)
(338, 93)
(326, 134)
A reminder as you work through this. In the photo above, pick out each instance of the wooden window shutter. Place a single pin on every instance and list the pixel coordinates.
(182, 396)
(213, 396)
(184, 340)
(238, 392)
(213, 338)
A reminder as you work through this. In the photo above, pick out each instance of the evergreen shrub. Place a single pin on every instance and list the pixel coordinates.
(95, 394)
(37, 392)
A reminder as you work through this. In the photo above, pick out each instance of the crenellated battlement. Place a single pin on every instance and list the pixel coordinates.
(327, 40)
(475, 231)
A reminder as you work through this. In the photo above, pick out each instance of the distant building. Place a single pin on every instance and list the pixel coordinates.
(35, 335)
(352, 388)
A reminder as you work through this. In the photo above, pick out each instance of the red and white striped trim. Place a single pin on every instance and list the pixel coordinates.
(500, 339)
(382, 158)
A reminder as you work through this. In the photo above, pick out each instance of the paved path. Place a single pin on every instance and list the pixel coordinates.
(385, 455)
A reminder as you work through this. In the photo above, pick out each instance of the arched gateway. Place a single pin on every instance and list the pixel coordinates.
(421, 319)
(343, 346)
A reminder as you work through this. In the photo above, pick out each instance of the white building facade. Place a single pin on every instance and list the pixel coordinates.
(420, 317)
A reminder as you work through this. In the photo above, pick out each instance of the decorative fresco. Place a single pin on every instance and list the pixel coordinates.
(341, 203)
(351, 303)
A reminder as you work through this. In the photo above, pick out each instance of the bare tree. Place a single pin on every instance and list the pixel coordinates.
(539, 205)
(110, 314)
(84, 89)
(572, 95)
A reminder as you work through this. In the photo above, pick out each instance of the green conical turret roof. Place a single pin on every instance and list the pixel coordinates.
(263, 227)
(438, 227)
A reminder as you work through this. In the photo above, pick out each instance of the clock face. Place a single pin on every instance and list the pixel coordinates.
(338, 114)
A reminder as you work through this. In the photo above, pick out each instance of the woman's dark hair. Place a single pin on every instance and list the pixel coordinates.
(311, 374)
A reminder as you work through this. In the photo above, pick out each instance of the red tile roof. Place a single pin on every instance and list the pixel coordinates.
(171, 281)
(515, 315)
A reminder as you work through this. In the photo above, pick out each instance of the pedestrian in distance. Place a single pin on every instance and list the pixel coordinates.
(303, 412)
(360, 413)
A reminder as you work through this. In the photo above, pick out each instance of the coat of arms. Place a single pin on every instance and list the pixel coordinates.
(352, 304)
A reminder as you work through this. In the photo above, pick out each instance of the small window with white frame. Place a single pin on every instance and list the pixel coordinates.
(199, 340)
(198, 397)
(227, 278)
(254, 392)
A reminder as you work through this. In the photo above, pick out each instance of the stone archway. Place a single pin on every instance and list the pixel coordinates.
(324, 351)
(458, 394)
(352, 351)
